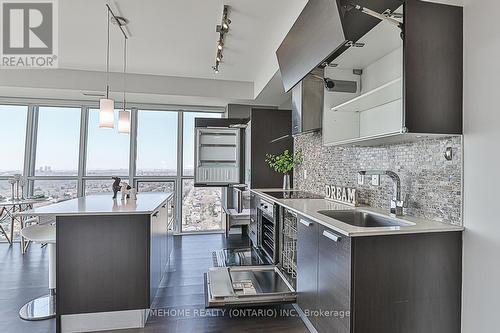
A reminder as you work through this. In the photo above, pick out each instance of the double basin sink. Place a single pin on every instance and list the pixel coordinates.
(359, 218)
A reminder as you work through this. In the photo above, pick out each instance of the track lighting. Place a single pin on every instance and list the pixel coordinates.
(222, 29)
(225, 24)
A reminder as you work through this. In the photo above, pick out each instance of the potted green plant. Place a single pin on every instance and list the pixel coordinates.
(284, 163)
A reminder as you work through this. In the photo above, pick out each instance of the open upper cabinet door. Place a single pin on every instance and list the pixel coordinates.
(316, 33)
(322, 32)
(219, 152)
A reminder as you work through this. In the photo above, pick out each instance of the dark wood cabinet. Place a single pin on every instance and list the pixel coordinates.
(334, 281)
(392, 283)
(433, 67)
(307, 267)
(269, 132)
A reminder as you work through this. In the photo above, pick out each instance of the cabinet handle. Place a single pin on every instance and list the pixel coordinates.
(306, 223)
(331, 235)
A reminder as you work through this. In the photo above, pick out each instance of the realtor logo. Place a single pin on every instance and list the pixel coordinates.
(29, 34)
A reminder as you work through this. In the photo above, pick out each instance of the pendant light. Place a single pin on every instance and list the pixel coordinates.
(107, 105)
(124, 115)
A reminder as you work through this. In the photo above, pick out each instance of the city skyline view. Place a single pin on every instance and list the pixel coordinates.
(57, 154)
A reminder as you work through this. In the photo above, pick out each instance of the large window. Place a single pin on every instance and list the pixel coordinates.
(201, 207)
(56, 190)
(98, 186)
(155, 186)
(5, 189)
(58, 168)
(12, 138)
(107, 151)
(58, 138)
(156, 143)
(188, 146)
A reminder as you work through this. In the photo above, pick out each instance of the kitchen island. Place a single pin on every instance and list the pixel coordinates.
(110, 256)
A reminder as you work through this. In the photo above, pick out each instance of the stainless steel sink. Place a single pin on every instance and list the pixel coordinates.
(364, 219)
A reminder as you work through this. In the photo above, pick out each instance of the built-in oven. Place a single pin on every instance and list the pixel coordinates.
(268, 230)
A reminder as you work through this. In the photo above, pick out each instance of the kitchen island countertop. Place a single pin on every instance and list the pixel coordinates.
(103, 204)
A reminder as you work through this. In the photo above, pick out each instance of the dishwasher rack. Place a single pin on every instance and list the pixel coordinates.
(289, 245)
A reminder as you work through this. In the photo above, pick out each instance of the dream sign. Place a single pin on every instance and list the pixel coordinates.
(341, 194)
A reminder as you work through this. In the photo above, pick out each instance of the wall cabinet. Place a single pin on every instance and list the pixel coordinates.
(409, 79)
(391, 284)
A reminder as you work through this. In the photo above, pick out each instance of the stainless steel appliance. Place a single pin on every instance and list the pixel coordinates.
(268, 230)
(247, 256)
(266, 284)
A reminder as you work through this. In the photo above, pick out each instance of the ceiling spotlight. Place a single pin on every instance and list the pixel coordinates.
(225, 24)
(222, 29)
(119, 20)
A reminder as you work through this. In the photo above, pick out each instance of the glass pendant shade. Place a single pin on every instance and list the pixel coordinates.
(106, 113)
(124, 122)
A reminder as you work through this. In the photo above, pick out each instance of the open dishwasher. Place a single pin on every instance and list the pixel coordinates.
(258, 285)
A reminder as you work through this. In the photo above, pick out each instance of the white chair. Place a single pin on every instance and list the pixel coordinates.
(43, 307)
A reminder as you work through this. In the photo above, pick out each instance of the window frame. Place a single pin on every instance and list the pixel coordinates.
(85, 106)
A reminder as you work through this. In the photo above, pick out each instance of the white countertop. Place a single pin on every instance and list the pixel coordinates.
(103, 204)
(309, 208)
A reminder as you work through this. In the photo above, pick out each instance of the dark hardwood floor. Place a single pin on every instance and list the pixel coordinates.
(22, 278)
(180, 302)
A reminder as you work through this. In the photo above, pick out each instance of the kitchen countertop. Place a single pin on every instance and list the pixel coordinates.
(103, 204)
(309, 208)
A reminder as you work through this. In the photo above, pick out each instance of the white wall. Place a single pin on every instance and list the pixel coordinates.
(481, 288)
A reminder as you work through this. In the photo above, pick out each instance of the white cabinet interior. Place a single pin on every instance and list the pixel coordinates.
(217, 156)
(376, 109)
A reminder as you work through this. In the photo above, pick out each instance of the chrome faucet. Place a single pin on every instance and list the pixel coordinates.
(397, 204)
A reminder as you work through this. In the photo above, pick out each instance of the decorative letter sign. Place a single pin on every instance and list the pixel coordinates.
(341, 194)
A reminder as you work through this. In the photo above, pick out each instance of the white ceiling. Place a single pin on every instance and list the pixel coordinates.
(176, 37)
(170, 53)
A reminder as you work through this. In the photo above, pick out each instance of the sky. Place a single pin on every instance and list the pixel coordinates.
(12, 137)
(59, 135)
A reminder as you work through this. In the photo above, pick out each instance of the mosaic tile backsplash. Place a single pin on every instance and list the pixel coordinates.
(433, 184)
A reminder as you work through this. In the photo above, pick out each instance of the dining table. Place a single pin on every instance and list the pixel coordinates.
(10, 209)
